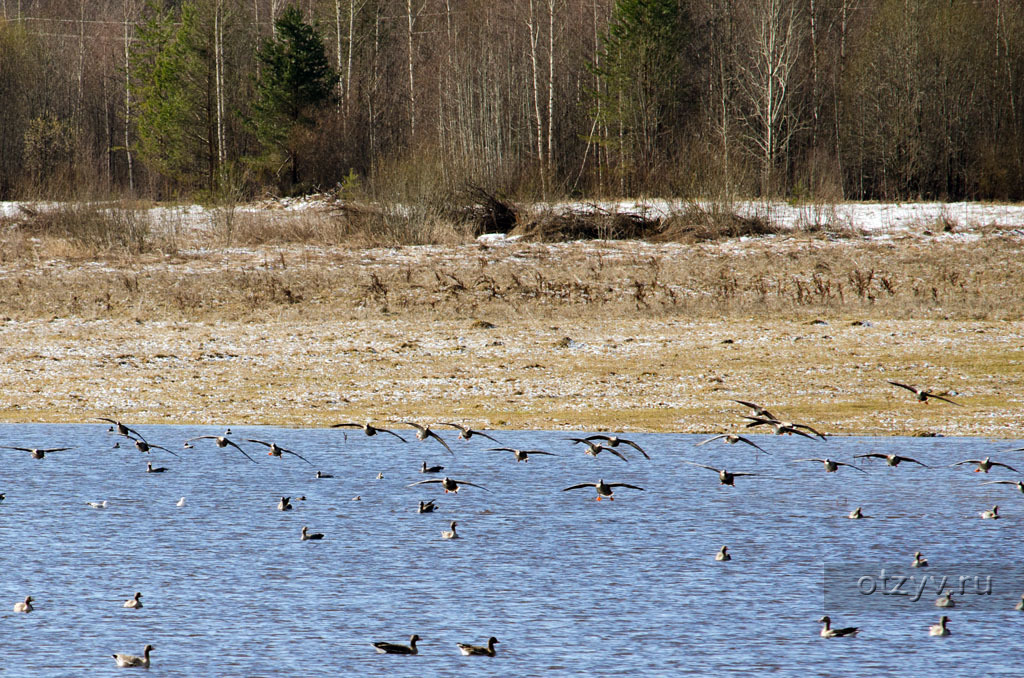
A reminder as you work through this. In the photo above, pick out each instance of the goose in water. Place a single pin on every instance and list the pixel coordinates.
(134, 603)
(276, 451)
(984, 464)
(615, 441)
(1016, 483)
(723, 554)
(450, 534)
(922, 395)
(285, 504)
(940, 628)
(466, 433)
(129, 661)
(143, 446)
(321, 474)
(180, 502)
(449, 484)
(732, 439)
(856, 514)
(991, 514)
(890, 459)
(369, 429)
(122, 429)
(36, 452)
(945, 600)
(424, 432)
(478, 650)
(430, 469)
(426, 506)
(395, 648)
(25, 605)
(154, 469)
(1020, 604)
(829, 632)
(603, 489)
(97, 504)
(831, 466)
(724, 477)
(222, 442)
(784, 427)
(919, 561)
(380, 475)
(758, 411)
(306, 535)
(520, 455)
(594, 449)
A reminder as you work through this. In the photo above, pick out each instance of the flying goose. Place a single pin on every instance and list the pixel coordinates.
(97, 504)
(36, 452)
(426, 506)
(991, 514)
(984, 464)
(945, 600)
(307, 536)
(143, 446)
(395, 648)
(122, 429)
(223, 442)
(918, 560)
(724, 477)
(154, 469)
(594, 449)
(369, 429)
(276, 451)
(285, 504)
(732, 439)
(424, 432)
(430, 469)
(1016, 483)
(134, 603)
(831, 466)
(449, 484)
(829, 632)
(784, 427)
(603, 489)
(478, 650)
(450, 534)
(465, 433)
(615, 441)
(723, 554)
(25, 605)
(128, 661)
(757, 409)
(520, 455)
(890, 459)
(940, 628)
(923, 395)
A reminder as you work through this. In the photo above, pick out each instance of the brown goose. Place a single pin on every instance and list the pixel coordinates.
(306, 535)
(829, 632)
(450, 533)
(276, 451)
(890, 459)
(919, 561)
(449, 484)
(134, 603)
(478, 650)
(122, 429)
(520, 455)
(723, 554)
(143, 446)
(223, 441)
(731, 439)
(940, 628)
(369, 429)
(983, 465)
(784, 427)
(465, 433)
(594, 449)
(724, 477)
(922, 395)
(603, 489)
(395, 648)
(155, 469)
(36, 452)
(424, 432)
(1016, 483)
(615, 441)
(430, 469)
(25, 605)
(831, 466)
(757, 409)
(130, 661)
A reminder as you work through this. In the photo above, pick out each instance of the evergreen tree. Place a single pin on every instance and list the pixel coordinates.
(296, 81)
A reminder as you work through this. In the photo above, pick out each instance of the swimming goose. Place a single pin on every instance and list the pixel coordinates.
(426, 506)
(122, 429)
(478, 650)
(276, 451)
(1016, 483)
(829, 632)
(831, 466)
(307, 536)
(449, 484)
(2, 496)
(1020, 604)
(368, 429)
(180, 502)
(36, 452)
(128, 661)
(285, 504)
(134, 603)
(379, 476)
(991, 514)
(594, 449)
(946, 600)
(923, 395)
(154, 469)
(395, 648)
(724, 477)
(890, 459)
(25, 605)
(940, 628)
(467, 433)
(723, 554)
(222, 442)
(784, 427)
(984, 464)
(450, 534)
(732, 439)
(424, 432)
(321, 474)
(520, 455)
(603, 489)
(143, 446)
(97, 504)
(430, 469)
(856, 514)
(918, 560)
(757, 409)
(615, 441)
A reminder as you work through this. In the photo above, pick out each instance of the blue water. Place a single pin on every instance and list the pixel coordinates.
(569, 585)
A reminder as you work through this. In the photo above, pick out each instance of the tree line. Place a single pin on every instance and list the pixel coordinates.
(418, 99)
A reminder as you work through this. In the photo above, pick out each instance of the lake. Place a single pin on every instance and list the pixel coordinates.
(569, 585)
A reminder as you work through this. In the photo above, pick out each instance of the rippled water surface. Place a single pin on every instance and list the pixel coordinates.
(569, 585)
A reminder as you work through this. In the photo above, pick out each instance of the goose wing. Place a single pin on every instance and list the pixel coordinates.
(463, 482)
(422, 482)
(632, 487)
(710, 468)
(576, 487)
(711, 439)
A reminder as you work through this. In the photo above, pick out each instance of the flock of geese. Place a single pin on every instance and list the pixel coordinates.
(592, 445)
